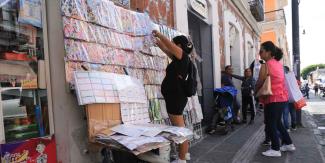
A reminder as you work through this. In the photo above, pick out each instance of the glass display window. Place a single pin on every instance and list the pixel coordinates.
(23, 98)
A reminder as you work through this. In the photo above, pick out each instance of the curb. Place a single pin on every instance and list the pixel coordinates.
(310, 122)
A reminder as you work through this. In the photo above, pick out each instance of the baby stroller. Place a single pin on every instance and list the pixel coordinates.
(223, 114)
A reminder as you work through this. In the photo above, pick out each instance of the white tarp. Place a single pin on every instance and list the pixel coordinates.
(150, 130)
(135, 142)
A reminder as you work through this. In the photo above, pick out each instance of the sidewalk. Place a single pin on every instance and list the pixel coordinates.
(244, 145)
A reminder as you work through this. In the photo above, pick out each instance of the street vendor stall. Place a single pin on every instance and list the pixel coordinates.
(111, 99)
(116, 72)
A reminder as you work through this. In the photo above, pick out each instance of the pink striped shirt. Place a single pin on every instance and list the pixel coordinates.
(279, 90)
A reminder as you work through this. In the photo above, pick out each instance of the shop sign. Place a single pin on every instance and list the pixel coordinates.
(29, 83)
(200, 7)
(37, 150)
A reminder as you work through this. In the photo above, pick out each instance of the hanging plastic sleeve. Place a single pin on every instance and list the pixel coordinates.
(30, 12)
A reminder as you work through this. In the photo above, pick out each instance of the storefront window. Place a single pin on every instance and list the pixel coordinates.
(22, 80)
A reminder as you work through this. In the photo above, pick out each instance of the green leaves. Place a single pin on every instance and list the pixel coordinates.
(305, 72)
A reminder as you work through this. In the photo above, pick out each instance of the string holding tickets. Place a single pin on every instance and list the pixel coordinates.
(102, 54)
(101, 87)
(84, 31)
(71, 66)
(106, 14)
(148, 77)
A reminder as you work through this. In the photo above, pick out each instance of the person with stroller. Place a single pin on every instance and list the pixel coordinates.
(226, 80)
(171, 88)
(222, 112)
(247, 90)
(274, 104)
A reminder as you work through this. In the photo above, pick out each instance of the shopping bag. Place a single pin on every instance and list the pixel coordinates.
(300, 104)
(266, 88)
(294, 92)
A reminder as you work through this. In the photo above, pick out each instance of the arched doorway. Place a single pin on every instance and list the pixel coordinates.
(250, 51)
(234, 53)
(233, 43)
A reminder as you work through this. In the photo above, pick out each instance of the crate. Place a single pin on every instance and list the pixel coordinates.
(101, 117)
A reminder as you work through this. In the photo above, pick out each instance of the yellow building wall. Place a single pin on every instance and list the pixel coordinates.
(269, 5)
(268, 36)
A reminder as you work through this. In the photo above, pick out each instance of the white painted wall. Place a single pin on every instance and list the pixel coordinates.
(249, 50)
(214, 20)
(237, 61)
(180, 15)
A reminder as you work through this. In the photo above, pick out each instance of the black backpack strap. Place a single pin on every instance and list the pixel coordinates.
(182, 66)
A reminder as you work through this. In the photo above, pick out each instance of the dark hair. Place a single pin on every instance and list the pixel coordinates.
(186, 45)
(247, 69)
(275, 51)
(286, 69)
(228, 66)
(278, 54)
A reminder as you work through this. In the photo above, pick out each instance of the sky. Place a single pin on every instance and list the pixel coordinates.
(312, 20)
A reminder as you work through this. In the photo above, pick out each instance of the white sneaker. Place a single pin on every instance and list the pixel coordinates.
(290, 147)
(272, 153)
(188, 157)
(288, 130)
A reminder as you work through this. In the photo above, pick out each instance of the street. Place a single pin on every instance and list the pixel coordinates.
(244, 144)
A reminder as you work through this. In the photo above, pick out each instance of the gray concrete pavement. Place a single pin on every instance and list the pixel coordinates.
(244, 144)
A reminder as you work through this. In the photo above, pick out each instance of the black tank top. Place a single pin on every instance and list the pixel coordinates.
(171, 84)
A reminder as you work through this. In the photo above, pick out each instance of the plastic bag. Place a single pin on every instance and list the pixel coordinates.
(293, 88)
(300, 104)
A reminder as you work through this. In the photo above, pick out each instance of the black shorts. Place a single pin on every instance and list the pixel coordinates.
(175, 105)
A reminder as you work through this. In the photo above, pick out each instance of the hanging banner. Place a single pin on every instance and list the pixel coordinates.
(38, 150)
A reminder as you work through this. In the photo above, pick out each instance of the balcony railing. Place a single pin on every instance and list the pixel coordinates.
(257, 10)
(276, 15)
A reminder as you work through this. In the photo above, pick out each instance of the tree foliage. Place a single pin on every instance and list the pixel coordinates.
(306, 71)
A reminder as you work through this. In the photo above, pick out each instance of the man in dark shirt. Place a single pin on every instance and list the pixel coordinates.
(226, 80)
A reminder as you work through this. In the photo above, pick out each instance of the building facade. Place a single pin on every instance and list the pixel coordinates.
(224, 32)
(274, 27)
(239, 34)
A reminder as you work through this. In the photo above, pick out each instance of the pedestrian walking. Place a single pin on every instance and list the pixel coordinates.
(275, 103)
(316, 88)
(247, 90)
(289, 109)
(307, 89)
(171, 88)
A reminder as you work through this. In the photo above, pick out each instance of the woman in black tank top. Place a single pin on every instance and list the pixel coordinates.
(178, 50)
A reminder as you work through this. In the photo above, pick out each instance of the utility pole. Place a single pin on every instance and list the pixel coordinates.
(296, 46)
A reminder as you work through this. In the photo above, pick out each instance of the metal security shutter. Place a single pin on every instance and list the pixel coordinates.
(201, 34)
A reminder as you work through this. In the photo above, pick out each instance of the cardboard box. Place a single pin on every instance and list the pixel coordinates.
(102, 117)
